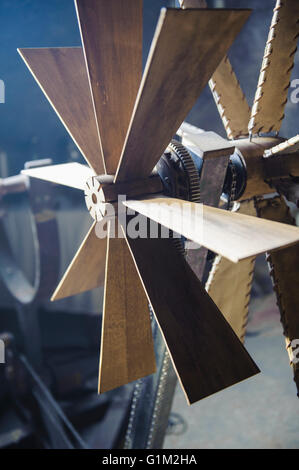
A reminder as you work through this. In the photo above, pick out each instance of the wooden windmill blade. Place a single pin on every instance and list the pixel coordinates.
(284, 270)
(127, 349)
(113, 55)
(73, 175)
(274, 81)
(229, 284)
(61, 74)
(90, 260)
(176, 72)
(206, 354)
(234, 236)
(112, 357)
(227, 92)
(160, 107)
(230, 100)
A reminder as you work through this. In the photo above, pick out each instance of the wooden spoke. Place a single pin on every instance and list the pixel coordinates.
(87, 270)
(206, 353)
(185, 52)
(274, 81)
(73, 175)
(285, 148)
(127, 351)
(234, 236)
(284, 269)
(61, 74)
(227, 92)
(230, 100)
(112, 39)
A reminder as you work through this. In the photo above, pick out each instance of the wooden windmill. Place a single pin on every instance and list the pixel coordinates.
(122, 124)
(272, 168)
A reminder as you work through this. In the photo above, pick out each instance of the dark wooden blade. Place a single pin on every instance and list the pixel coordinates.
(274, 81)
(186, 50)
(61, 74)
(234, 236)
(127, 350)
(112, 39)
(284, 269)
(87, 270)
(73, 175)
(206, 353)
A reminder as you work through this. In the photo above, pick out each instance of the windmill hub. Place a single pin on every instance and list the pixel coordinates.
(94, 198)
(103, 196)
(260, 170)
(178, 172)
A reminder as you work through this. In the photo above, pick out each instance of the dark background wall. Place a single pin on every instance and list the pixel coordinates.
(30, 129)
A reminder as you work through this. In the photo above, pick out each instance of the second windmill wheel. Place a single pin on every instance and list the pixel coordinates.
(122, 122)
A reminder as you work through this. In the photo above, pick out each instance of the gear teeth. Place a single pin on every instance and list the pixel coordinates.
(190, 169)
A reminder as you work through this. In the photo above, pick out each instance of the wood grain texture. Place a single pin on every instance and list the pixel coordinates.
(127, 350)
(112, 39)
(229, 284)
(87, 270)
(284, 270)
(274, 80)
(73, 175)
(234, 236)
(185, 52)
(61, 74)
(230, 100)
(206, 354)
(137, 188)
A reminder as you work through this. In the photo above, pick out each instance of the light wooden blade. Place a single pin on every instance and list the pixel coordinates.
(61, 74)
(73, 175)
(274, 81)
(205, 352)
(193, 3)
(186, 50)
(87, 270)
(127, 350)
(229, 284)
(227, 92)
(112, 39)
(286, 147)
(284, 269)
(230, 100)
(234, 236)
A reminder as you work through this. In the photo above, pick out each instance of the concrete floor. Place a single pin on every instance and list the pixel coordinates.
(261, 412)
